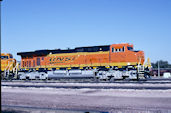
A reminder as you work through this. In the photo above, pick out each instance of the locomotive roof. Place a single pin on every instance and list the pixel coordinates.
(55, 51)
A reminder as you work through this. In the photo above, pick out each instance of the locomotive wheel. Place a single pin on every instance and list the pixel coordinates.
(112, 79)
(96, 79)
(138, 77)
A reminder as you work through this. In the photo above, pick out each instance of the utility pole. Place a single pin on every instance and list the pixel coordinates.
(158, 69)
(0, 22)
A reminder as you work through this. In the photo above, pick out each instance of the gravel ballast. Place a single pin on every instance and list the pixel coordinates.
(87, 99)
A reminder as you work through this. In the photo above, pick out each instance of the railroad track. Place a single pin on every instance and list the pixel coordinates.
(92, 87)
(149, 81)
(140, 85)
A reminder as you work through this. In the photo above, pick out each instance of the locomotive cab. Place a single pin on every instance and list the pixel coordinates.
(6, 59)
(125, 54)
(6, 56)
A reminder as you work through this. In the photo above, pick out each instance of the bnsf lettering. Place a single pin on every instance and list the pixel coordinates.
(54, 59)
(61, 59)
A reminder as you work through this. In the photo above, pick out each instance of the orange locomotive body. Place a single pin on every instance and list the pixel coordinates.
(8, 64)
(115, 55)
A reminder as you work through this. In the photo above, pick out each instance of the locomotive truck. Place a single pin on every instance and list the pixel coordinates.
(106, 62)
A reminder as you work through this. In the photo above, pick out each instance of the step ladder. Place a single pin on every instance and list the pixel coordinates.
(7, 71)
(15, 70)
(11, 73)
(140, 71)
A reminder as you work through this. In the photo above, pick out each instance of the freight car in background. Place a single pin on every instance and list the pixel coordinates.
(154, 71)
(107, 62)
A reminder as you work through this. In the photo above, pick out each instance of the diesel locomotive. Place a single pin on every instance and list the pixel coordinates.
(8, 65)
(106, 62)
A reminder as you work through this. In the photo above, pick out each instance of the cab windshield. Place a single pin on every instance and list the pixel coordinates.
(130, 48)
(4, 57)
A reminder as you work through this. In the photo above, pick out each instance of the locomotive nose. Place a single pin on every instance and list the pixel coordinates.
(140, 57)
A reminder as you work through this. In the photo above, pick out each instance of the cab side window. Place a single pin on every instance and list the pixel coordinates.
(114, 50)
(117, 50)
(130, 48)
(123, 49)
(4, 57)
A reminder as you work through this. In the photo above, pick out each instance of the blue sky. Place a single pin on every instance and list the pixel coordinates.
(29, 25)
